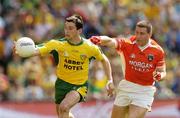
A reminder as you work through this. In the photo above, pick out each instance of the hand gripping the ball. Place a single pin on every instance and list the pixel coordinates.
(25, 47)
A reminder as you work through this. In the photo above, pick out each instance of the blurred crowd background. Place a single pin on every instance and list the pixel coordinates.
(32, 79)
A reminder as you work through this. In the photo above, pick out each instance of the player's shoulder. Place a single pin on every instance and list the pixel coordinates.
(88, 43)
(155, 45)
(90, 46)
(127, 39)
(58, 40)
(51, 42)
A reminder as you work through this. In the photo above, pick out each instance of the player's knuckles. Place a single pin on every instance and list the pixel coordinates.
(94, 40)
(94, 37)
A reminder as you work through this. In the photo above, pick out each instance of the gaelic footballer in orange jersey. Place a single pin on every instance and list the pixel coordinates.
(139, 64)
(143, 63)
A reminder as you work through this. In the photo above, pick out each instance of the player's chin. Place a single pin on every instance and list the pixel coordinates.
(139, 42)
(67, 35)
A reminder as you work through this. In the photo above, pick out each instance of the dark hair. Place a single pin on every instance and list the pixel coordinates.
(145, 24)
(76, 19)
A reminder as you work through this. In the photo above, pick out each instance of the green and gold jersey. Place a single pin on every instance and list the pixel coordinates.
(72, 60)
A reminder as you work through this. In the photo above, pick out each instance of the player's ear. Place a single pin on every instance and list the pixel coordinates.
(150, 34)
(80, 30)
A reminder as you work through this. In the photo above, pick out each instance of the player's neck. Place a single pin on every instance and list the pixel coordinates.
(76, 40)
(144, 46)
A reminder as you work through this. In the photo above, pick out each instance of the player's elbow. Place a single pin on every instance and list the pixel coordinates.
(105, 59)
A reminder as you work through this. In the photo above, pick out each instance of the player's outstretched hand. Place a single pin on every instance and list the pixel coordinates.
(110, 88)
(95, 39)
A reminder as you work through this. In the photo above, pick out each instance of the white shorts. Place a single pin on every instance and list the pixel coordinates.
(130, 93)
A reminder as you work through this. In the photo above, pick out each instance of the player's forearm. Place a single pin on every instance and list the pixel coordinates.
(36, 52)
(107, 41)
(163, 74)
(163, 71)
(107, 68)
(160, 73)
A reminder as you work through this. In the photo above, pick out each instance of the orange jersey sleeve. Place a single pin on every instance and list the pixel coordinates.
(161, 59)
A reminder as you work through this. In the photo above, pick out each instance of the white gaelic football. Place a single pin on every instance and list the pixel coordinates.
(25, 46)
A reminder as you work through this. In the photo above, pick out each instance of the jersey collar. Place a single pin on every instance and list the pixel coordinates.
(146, 46)
(81, 42)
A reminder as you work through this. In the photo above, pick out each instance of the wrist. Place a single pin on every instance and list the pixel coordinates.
(108, 83)
(36, 51)
(158, 77)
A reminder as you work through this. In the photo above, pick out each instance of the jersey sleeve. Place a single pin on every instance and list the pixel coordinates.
(161, 59)
(97, 53)
(48, 47)
(120, 44)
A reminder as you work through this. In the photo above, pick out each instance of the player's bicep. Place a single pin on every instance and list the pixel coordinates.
(97, 53)
(107, 41)
(113, 43)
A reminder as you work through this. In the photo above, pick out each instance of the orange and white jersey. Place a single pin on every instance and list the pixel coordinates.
(139, 64)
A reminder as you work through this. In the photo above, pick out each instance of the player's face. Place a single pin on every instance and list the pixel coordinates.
(142, 36)
(70, 30)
